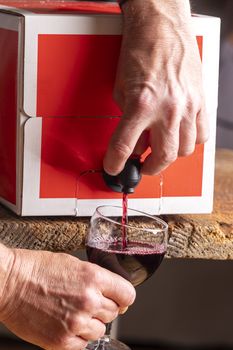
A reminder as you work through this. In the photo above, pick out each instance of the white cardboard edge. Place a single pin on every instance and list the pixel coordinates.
(150, 205)
(61, 206)
(31, 164)
(20, 120)
(210, 54)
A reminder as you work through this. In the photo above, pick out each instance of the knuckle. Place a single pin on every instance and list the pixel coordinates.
(121, 149)
(109, 317)
(131, 295)
(59, 342)
(190, 112)
(203, 130)
(64, 342)
(141, 96)
(88, 268)
(175, 101)
(71, 324)
(96, 333)
(144, 100)
(167, 157)
(92, 273)
(89, 300)
(204, 137)
(96, 274)
(81, 344)
(76, 322)
(102, 331)
(116, 313)
(67, 343)
(79, 322)
(112, 317)
(186, 151)
(99, 332)
(150, 171)
(193, 103)
(128, 293)
(188, 123)
(172, 118)
(181, 106)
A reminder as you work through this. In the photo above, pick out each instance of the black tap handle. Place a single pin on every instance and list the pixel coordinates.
(128, 178)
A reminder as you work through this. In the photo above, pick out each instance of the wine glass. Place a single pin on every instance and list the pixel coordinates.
(133, 248)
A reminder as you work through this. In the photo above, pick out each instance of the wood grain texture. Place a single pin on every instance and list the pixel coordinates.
(207, 236)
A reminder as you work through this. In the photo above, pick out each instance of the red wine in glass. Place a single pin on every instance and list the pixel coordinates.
(136, 263)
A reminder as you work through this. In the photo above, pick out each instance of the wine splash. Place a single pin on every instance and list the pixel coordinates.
(124, 220)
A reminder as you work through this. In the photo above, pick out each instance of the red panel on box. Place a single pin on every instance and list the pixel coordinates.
(184, 177)
(73, 146)
(92, 186)
(76, 75)
(8, 113)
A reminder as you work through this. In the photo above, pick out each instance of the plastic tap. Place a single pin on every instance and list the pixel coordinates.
(127, 179)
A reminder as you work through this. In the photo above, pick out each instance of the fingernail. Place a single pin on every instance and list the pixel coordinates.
(123, 310)
(110, 167)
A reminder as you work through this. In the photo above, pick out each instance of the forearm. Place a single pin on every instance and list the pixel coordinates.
(6, 263)
(154, 23)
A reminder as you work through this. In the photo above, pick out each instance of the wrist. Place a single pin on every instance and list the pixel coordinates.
(180, 9)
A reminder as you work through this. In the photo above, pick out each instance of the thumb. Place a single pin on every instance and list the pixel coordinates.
(123, 142)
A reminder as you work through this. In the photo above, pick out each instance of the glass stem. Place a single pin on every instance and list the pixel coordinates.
(108, 329)
(105, 339)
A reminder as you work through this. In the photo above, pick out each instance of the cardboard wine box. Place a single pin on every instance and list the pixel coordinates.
(57, 114)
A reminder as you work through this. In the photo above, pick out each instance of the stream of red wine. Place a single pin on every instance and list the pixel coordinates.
(124, 220)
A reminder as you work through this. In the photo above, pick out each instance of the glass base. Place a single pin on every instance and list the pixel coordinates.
(106, 343)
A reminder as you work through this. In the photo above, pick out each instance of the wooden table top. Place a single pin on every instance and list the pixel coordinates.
(207, 236)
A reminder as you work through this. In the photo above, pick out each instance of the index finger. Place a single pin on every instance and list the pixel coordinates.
(124, 140)
(118, 289)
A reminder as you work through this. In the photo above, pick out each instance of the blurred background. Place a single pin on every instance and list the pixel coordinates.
(224, 10)
(187, 304)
